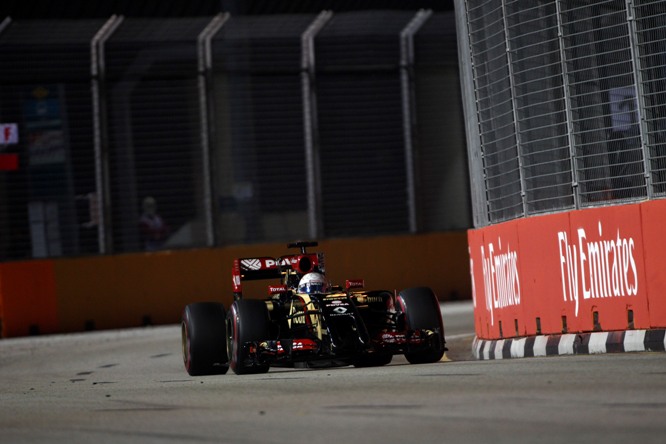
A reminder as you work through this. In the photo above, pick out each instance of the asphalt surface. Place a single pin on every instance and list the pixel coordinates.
(129, 386)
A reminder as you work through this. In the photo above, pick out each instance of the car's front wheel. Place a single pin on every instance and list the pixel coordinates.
(421, 309)
(203, 339)
(248, 322)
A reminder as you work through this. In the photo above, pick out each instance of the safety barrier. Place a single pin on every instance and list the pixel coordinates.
(104, 292)
(28, 301)
(589, 270)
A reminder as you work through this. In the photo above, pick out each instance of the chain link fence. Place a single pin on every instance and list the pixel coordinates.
(567, 104)
(140, 134)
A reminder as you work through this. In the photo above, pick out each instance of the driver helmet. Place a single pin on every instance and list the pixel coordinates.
(313, 283)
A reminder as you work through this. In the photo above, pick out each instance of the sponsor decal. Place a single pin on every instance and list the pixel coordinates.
(9, 134)
(303, 344)
(270, 263)
(340, 310)
(258, 263)
(501, 282)
(335, 300)
(251, 264)
(389, 338)
(398, 338)
(354, 283)
(598, 266)
(274, 289)
(298, 317)
(338, 307)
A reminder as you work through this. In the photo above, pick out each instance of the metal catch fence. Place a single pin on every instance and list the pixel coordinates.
(141, 134)
(568, 103)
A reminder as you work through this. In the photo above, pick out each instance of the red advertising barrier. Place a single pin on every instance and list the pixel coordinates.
(496, 280)
(588, 270)
(539, 263)
(654, 249)
(481, 321)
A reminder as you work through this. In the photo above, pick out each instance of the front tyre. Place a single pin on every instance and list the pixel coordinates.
(247, 321)
(203, 338)
(421, 309)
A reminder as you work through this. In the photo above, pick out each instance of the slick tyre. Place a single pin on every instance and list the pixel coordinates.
(421, 309)
(247, 321)
(203, 337)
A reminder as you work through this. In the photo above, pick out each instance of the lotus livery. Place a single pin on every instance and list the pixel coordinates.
(304, 321)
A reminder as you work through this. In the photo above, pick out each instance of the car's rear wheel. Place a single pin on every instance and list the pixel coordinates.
(421, 309)
(247, 321)
(203, 339)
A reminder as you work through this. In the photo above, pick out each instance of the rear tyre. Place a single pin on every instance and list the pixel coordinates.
(421, 309)
(247, 321)
(203, 338)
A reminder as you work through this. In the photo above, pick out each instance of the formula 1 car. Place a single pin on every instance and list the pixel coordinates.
(304, 322)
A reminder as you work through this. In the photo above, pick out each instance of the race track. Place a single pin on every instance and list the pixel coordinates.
(130, 386)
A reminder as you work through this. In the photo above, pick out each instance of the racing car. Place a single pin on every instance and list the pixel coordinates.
(305, 322)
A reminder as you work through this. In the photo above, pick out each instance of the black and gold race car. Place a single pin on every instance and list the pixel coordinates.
(307, 322)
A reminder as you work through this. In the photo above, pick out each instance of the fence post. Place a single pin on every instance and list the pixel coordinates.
(478, 188)
(5, 22)
(567, 102)
(311, 128)
(100, 132)
(514, 106)
(206, 113)
(640, 96)
(409, 113)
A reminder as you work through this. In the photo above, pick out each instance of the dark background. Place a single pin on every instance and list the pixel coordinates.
(18, 9)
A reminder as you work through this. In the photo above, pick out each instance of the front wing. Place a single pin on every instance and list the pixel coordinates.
(290, 351)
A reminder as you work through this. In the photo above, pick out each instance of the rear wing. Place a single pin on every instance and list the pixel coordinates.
(257, 268)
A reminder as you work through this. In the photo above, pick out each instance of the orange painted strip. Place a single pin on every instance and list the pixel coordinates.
(129, 289)
(28, 298)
